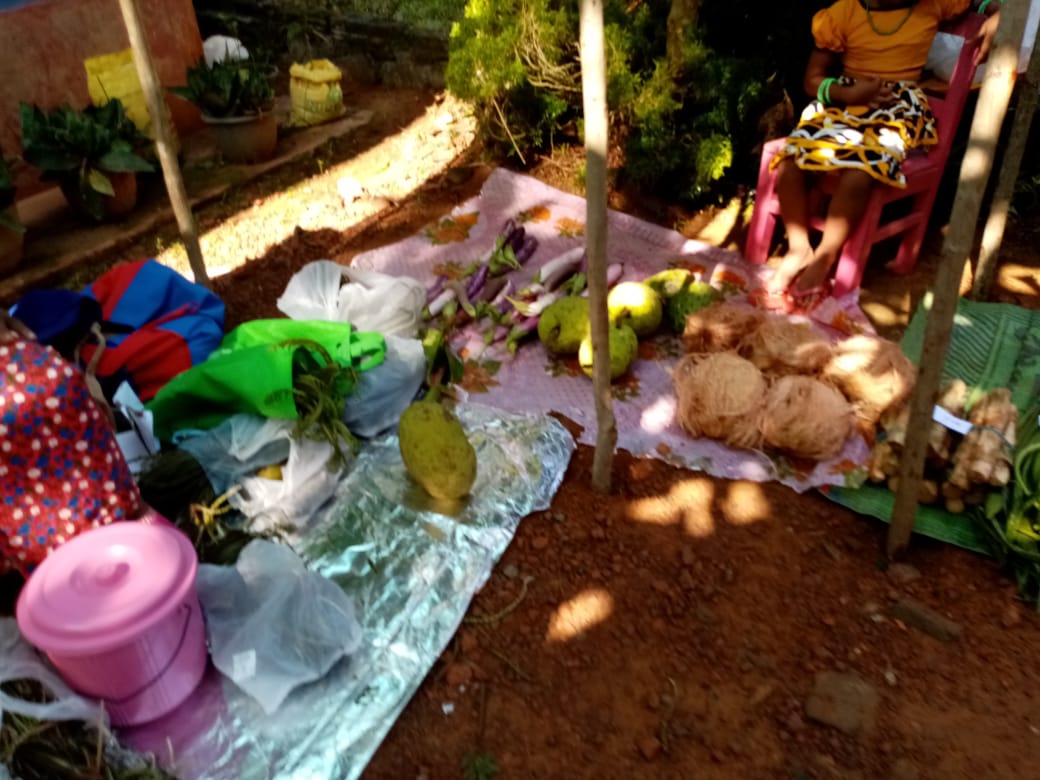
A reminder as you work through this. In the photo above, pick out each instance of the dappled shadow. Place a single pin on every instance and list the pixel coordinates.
(674, 629)
(59, 242)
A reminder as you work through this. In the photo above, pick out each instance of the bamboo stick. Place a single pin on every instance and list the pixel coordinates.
(996, 222)
(975, 171)
(594, 94)
(164, 139)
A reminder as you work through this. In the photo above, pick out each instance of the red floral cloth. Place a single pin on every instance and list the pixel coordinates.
(61, 471)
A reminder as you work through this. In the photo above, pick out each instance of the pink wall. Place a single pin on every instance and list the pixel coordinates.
(43, 46)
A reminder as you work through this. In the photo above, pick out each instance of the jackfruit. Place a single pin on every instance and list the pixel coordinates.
(435, 450)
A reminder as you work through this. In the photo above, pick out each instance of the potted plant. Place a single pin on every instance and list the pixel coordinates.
(93, 154)
(236, 100)
(12, 234)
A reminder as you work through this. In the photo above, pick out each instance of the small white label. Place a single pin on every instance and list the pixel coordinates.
(946, 419)
(243, 665)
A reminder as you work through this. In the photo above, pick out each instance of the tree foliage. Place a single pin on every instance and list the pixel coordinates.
(687, 102)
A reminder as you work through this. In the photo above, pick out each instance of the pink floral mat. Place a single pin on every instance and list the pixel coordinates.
(644, 401)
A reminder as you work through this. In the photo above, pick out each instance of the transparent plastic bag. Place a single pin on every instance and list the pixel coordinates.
(19, 661)
(272, 624)
(232, 453)
(371, 301)
(385, 391)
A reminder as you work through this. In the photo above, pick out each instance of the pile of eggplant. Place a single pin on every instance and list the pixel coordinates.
(487, 292)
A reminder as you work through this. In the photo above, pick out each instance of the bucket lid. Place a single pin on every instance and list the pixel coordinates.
(106, 587)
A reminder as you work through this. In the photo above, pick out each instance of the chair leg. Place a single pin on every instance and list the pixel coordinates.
(767, 209)
(910, 246)
(760, 235)
(856, 251)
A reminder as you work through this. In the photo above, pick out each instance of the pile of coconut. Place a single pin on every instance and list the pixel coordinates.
(761, 381)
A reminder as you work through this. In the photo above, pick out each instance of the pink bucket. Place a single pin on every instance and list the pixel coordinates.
(116, 612)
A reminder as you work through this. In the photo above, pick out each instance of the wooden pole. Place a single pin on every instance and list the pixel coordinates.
(594, 93)
(164, 139)
(993, 235)
(978, 161)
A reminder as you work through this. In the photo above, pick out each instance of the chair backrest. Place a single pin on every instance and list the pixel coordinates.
(949, 107)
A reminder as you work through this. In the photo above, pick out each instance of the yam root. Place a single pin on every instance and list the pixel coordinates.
(927, 493)
(884, 462)
(984, 455)
(940, 439)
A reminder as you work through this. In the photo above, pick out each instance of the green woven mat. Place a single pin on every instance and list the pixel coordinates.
(993, 345)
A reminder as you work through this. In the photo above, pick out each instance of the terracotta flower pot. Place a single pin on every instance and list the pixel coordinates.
(11, 244)
(118, 205)
(245, 139)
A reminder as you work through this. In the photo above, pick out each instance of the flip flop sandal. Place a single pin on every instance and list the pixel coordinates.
(806, 301)
(769, 300)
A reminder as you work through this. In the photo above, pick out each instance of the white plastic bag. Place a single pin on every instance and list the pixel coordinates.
(942, 57)
(19, 661)
(273, 624)
(371, 301)
(232, 453)
(308, 481)
(217, 48)
(384, 392)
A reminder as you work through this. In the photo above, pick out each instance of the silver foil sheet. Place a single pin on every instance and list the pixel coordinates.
(412, 568)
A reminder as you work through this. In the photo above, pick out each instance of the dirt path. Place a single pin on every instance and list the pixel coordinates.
(678, 627)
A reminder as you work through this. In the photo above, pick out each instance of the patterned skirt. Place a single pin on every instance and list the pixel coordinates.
(61, 470)
(874, 140)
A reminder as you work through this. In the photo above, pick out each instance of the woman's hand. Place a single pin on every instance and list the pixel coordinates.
(984, 37)
(12, 328)
(869, 91)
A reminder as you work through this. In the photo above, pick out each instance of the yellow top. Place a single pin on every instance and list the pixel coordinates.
(845, 28)
(316, 71)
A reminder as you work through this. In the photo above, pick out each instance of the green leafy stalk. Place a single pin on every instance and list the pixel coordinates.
(320, 392)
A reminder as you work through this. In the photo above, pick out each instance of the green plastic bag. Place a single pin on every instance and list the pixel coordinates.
(252, 371)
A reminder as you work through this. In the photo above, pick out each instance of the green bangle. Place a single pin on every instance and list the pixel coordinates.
(823, 92)
(984, 3)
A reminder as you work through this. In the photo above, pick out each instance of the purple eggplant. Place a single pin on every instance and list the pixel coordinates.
(477, 281)
(536, 307)
(507, 229)
(564, 260)
(435, 289)
(490, 289)
(526, 250)
(515, 240)
(437, 304)
(519, 332)
(560, 273)
(459, 289)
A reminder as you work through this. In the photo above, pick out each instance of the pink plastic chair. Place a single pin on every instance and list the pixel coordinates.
(923, 172)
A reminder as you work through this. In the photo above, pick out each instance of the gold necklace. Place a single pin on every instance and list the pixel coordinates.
(898, 27)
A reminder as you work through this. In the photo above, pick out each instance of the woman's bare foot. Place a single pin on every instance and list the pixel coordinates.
(815, 274)
(794, 263)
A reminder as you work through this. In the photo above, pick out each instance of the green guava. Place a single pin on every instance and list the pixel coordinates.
(636, 305)
(564, 324)
(692, 298)
(670, 281)
(623, 347)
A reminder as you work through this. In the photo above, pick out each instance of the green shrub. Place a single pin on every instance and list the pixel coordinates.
(689, 128)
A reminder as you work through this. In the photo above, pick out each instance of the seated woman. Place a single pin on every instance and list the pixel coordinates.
(861, 126)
